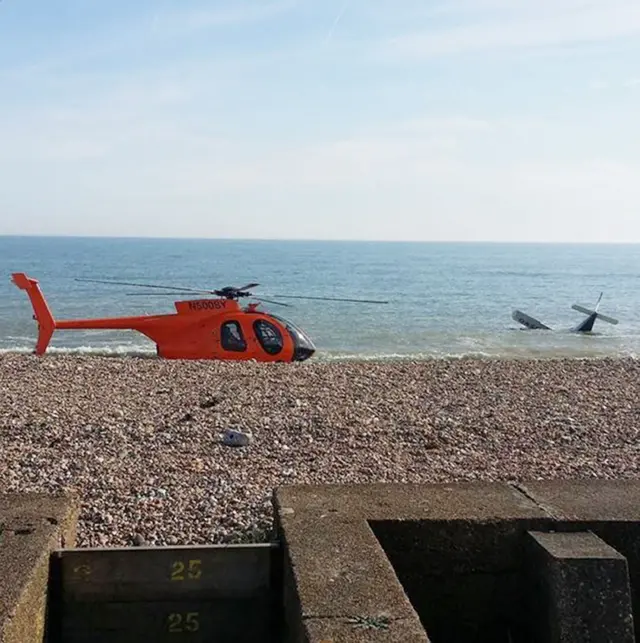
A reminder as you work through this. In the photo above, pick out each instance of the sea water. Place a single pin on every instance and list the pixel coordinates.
(445, 299)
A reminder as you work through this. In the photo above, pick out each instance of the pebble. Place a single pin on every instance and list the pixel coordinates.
(236, 438)
(137, 438)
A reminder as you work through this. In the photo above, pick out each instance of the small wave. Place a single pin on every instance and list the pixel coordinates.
(465, 352)
(377, 357)
(101, 351)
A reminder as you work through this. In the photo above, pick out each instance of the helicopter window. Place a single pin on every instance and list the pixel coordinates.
(231, 337)
(268, 335)
(299, 338)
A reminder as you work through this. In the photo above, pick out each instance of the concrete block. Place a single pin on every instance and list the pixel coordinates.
(587, 500)
(31, 527)
(608, 508)
(468, 501)
(435, 548)
(334, 571)
(577, 590)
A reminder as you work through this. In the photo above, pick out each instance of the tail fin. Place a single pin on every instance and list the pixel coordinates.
(43, 315)
(598, 302)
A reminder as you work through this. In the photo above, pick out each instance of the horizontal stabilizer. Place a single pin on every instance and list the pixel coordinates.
(582, 309)
(528, 321)
(587, 311)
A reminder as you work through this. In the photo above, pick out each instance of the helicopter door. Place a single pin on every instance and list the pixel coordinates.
(269, 336)
(231, 337)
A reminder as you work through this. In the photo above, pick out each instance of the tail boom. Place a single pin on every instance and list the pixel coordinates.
(41, 310)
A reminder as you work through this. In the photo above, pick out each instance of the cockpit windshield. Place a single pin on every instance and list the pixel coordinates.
(304, 347)
(294, 330)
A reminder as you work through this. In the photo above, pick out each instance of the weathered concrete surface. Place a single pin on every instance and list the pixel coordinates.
(587, 500)
(336, 567)
(338, 630)
(31, 526)
(335, 570)
(578, 590)
(454, 501)
(455, 550)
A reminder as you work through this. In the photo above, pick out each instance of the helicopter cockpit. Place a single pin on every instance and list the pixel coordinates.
(303, 346)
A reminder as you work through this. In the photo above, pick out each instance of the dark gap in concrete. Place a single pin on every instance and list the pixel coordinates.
(277, 623)
(53, 606)
(463, 579)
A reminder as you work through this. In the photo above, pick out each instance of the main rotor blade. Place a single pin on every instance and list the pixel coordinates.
(248, 286)
(128, 283)
(270, 301)
(361, 301)
(173, 294)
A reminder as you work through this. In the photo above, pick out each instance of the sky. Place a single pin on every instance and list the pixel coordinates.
(465, 120)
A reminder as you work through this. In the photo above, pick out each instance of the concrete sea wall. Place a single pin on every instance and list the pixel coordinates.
(533, 562)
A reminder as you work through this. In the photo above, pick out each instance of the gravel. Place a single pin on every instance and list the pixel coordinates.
(140, 438)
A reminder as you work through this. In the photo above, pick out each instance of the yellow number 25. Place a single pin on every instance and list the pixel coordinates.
(193, 570)
(183, 623)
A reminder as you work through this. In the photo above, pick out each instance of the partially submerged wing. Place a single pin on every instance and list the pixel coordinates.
(528, 321)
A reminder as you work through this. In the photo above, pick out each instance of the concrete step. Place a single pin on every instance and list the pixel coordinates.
(141, 594)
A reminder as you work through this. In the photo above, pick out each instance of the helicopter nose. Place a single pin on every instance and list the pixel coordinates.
(302, 353)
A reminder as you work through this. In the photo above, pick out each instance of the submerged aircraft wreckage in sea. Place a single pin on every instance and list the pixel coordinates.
(586, 326)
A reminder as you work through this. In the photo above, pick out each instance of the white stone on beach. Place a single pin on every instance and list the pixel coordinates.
(235, 438)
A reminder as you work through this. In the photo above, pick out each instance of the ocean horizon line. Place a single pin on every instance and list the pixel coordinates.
(324, 240)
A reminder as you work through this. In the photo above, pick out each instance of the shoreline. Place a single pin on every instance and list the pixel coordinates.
(150, 355)
(138, 439)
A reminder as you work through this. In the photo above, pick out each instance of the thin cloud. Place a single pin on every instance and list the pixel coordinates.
(337, 20)
(492, 26)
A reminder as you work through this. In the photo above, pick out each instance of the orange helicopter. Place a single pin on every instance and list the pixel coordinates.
(208, 328)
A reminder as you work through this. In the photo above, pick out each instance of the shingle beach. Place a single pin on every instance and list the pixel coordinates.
(139, 439)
